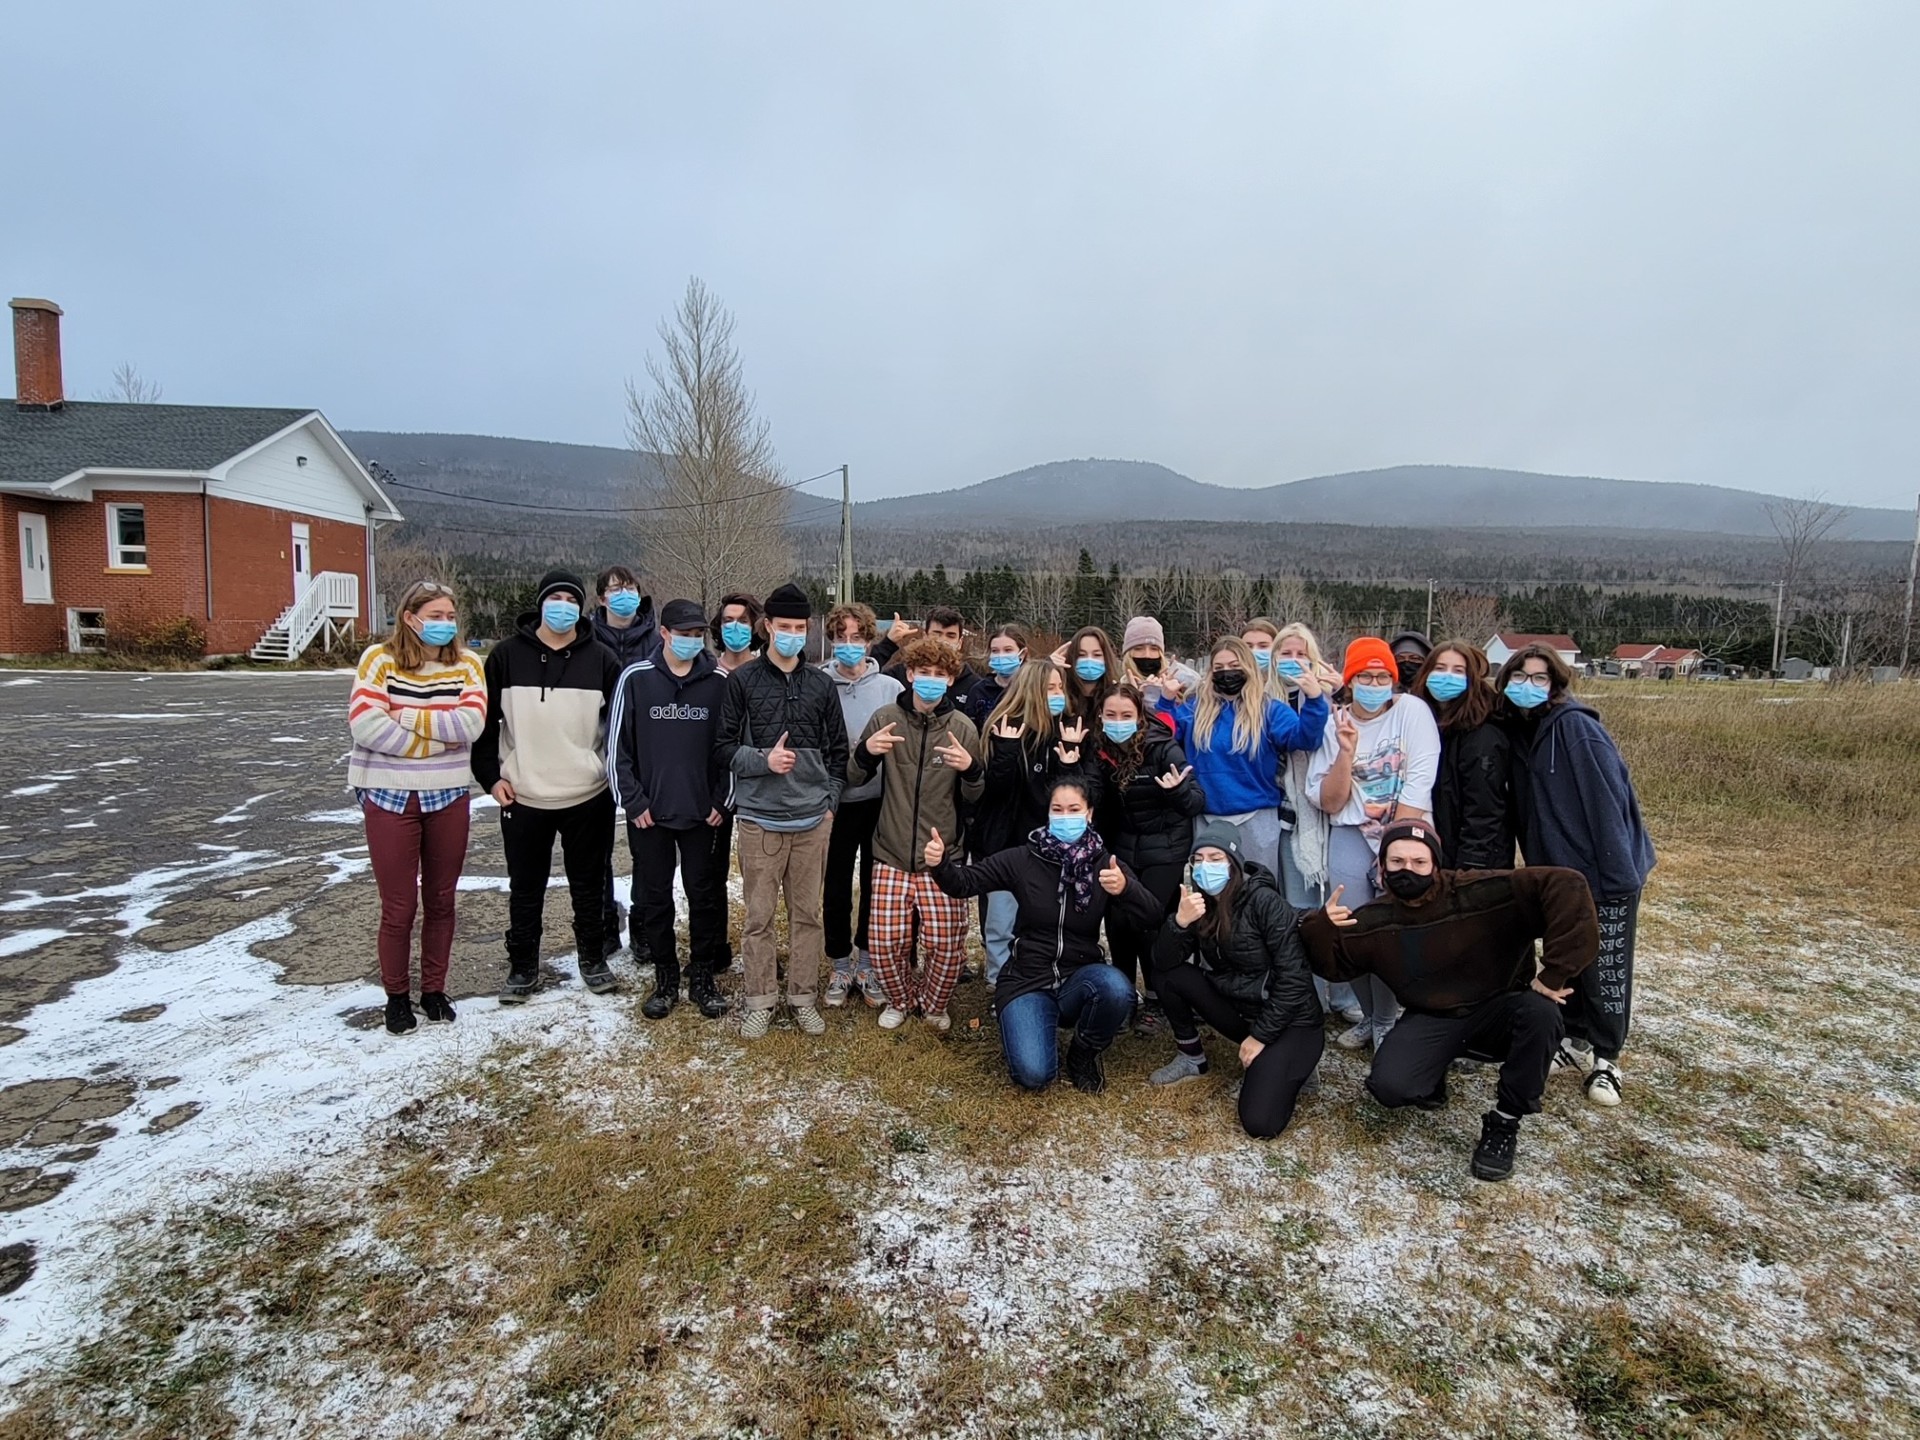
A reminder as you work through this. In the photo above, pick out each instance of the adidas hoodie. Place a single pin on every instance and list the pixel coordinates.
(546, 731)
(663, 756)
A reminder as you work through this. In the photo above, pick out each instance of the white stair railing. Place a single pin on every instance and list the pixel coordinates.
(332, 596)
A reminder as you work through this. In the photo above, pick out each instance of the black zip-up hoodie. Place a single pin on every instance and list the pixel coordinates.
(663, 754)
(631, 643)
(1051, 939)
(546, 731)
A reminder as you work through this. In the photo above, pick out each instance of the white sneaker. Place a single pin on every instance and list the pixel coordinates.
(941, 1021)
(1356, 1038)
(1603, 1084)
(754, 1024)
(837, 989)
(809, 1019)
(1572, 1055)
(892, 1019)
(1352, 1014)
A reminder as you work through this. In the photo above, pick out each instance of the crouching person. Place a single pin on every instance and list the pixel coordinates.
(1064, 884)
(928, 757)
(667, 776)
(1456, 948)
(1230, 956)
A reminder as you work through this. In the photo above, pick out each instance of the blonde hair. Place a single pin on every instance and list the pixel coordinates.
(1329, 676)
(409, 651)
(1025, 703)
(1249, 706)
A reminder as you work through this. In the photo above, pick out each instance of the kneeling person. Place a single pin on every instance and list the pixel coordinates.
(1231, 955)
(1456, 948)
(666, 774)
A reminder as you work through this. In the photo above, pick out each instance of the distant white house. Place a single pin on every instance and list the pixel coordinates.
(1510, 642)
(1657, 661)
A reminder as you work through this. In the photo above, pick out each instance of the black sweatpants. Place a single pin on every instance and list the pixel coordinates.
(1602, 1001)
(721, 838)
(1130, 947)
(656, 850)
(852, 835)
(1523, 1026)
(527, 834)
(1272, 1083)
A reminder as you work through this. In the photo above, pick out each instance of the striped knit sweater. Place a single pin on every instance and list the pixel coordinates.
(413, 730)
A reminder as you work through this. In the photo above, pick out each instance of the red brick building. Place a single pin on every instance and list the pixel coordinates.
(256, 523)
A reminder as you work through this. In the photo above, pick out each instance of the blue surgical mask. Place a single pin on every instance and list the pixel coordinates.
(788, 643)
(1089, 668)
(1211, 875)
(850, 656)
(1120, 731)
(624, 603)
(1291, 668)
(1004, 664)
(931, 688)
(439, 632)
(1066, 828)
(1445, 685)
(1264, 659)
(685, 647)
(1057, 704)
(736, 635)
(1524, 695)
(560, 616)
(1372, 697)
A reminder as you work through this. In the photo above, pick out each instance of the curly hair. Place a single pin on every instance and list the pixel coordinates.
(926, 653)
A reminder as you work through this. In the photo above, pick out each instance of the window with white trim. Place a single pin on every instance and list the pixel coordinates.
(127, 536)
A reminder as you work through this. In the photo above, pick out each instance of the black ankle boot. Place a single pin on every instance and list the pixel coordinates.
(665, 994)
(704, 994)
(1083, 1067)
(400, 1019)
(1493, 1156)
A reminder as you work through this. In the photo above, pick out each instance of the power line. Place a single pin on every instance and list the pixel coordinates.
(568, 535)
(389, 478)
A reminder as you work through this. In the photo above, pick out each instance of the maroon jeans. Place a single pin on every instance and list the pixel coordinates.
(417, 861)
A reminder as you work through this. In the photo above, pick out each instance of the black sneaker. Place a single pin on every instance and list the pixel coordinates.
(438, 1011)
(703, 993)
(520, 984)
(400, 1019)
(1083, 1068)
(1493, 1156)
(598, 977)
(659, 1004)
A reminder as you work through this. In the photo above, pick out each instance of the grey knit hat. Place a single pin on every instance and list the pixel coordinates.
(1221, 835)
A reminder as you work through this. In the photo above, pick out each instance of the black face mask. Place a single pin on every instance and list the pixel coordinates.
(1146, 666)
(1229, 682)
(1409, 670)
(1406, 885)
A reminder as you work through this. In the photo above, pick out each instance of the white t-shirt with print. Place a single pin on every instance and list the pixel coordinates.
(1394, 763)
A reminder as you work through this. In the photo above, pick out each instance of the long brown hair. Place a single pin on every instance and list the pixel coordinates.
(1126, 758)
(1083, 696)
(1216, 926)
(409, 651)
(1473, 708)
(1025, 705)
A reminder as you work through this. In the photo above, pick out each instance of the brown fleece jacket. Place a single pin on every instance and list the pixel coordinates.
(1465, 941)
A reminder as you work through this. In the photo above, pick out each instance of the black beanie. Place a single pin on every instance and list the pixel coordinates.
(683, 615)
(560, 580)
(1420, 830)
(789, 602)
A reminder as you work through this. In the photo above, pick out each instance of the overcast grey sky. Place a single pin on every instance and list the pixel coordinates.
(1252, 241)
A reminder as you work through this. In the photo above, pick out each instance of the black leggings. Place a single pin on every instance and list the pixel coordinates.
(1130, 947)
(1272, 1084)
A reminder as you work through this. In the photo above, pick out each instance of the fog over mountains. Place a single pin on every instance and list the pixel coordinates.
(1067, 492)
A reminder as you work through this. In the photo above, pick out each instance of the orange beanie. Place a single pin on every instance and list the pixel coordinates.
(1365, 653)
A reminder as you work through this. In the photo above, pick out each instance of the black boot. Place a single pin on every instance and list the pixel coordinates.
(1493, 1156)
(438, 1011)
(599, 979)
(1083, 1067)
(523, 978)
(665, 994)
(705, 994)
(400, 1019)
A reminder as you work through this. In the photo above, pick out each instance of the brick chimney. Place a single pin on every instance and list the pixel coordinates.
(36, 355)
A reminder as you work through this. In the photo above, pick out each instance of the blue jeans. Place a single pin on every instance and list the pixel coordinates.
(1095, 1000)
(996, 931)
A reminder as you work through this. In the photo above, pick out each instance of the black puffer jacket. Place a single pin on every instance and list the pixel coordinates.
(1145, 824)
(765, 702)
(1473, 805)
(1051, 939)
(1020, 782)
(633, 643)
(1262, 968)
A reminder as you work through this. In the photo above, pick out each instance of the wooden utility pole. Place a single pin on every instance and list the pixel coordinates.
(1913, 565)
(1779, 613)
(846, 538)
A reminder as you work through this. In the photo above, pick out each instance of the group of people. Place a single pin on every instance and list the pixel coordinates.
(1254, 842)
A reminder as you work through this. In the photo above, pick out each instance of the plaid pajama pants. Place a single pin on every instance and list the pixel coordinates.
(898, 900)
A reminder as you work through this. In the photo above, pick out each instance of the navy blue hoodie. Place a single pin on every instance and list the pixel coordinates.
(661, 733)
(1577, 801)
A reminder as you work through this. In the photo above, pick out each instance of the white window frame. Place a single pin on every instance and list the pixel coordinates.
(116, 552)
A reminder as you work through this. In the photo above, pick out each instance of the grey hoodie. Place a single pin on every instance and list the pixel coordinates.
(860, 697)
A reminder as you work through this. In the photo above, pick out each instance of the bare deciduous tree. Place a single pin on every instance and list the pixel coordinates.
(1237, 599)
(1463, 615)
(1044, 599)
(1801, 526)
(1287, 599)
(130, 387)
(1129, 596)
(715, 509)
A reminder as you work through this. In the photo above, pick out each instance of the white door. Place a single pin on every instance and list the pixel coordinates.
(302, 562)
(36, 580)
